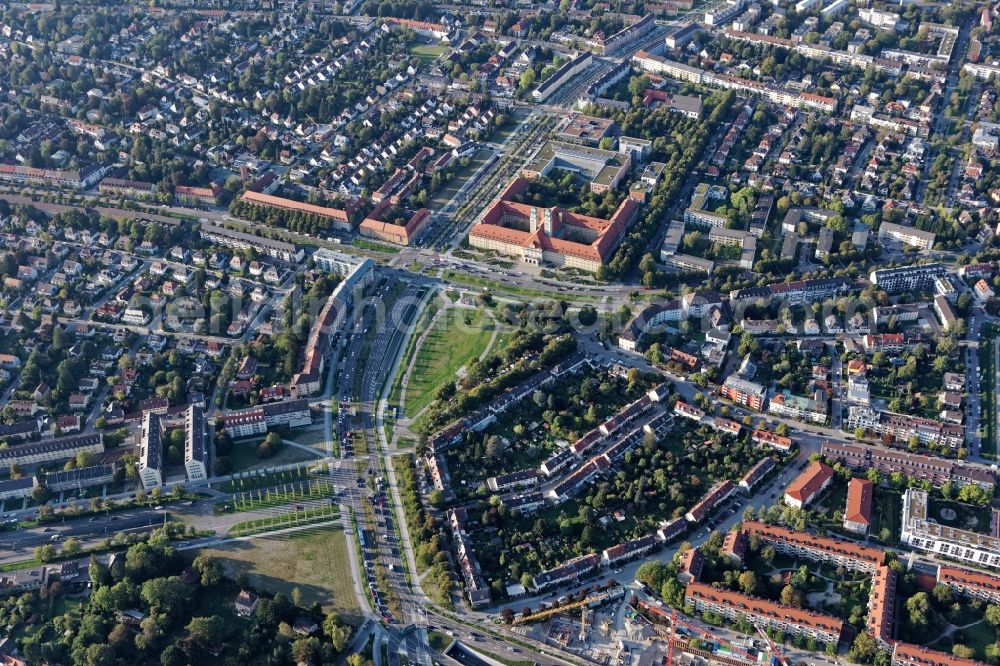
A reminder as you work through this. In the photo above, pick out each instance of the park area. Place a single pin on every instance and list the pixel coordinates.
(458, 336)
(427, 53)
(315, 561)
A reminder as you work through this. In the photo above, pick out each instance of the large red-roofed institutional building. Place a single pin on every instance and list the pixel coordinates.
(550, 235)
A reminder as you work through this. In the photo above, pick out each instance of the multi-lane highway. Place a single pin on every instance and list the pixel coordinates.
(372, 352)
(88, 531)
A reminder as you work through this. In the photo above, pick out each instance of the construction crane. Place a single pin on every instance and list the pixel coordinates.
(771, 646)
(680, 625)
(583, 624)
(592, 601)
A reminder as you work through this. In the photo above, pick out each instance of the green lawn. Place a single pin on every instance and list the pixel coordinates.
(310, 489)
(308, 515)
(458, 336)
(315, 561)
(244, 456)
(438, 641)
(977, 637)
(374, 246)
(886, 512)
(427, 52)
(252, 480)
(315, 439)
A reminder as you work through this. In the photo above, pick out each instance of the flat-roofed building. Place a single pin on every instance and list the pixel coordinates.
(797, 407)
(954, 543)
(889, 231)
(79, 478)
(906, 278)
(605, 169)
(688, 262)
(333, 261)
(587, 130)
(743, 392)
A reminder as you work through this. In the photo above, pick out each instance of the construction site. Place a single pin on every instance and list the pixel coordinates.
(618, 628)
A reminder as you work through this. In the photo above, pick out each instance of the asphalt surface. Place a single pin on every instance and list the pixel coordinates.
(373, 356)
(86, 530)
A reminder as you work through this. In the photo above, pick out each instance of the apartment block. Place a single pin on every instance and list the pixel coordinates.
(743, 392)
(848, 554)
(768, 614)
(950, 542)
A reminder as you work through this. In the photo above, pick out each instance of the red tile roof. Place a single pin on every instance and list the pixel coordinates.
(969, 578)
(906, 653)
(261, 199)
(882, 604)
(833, 547)
(859, 502)
(764, 608)
(809, 481)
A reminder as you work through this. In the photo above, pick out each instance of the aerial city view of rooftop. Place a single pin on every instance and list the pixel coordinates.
(499, 332)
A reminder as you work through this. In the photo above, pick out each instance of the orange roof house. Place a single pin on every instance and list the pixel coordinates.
(808, 484)
(881, 605)
(858, 514)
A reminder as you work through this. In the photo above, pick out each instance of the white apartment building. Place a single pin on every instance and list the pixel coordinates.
(950, 542)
